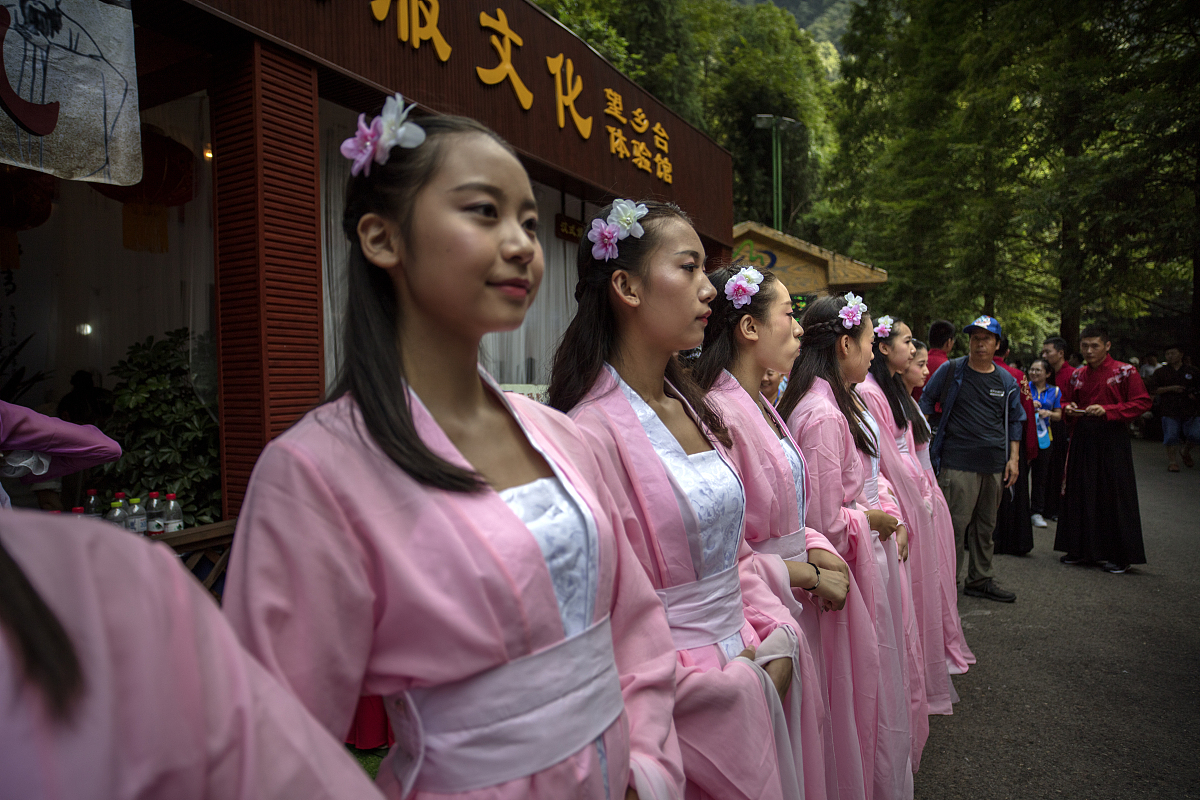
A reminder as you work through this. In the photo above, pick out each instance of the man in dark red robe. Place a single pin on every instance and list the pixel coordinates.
(1014, 525)
(1099, 521)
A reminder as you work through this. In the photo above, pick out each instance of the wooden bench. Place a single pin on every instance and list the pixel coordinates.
(211, 543)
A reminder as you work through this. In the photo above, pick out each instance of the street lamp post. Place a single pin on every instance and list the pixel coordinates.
(775, 124)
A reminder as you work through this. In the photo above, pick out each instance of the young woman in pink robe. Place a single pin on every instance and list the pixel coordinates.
(618, 375)
(119, 678)
(832, 428)
(741, 342)
(958, 656)
(429, 539)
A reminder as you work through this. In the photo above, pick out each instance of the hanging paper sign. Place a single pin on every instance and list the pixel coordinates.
(68, 90)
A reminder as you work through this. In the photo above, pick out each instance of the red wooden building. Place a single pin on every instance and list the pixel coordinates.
(274, 71)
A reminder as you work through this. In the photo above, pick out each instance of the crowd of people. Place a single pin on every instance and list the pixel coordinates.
(667, 582)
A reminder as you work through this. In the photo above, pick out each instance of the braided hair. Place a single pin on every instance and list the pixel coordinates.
(719, 350)
(823, 329)
(903, 411)
(591, 338)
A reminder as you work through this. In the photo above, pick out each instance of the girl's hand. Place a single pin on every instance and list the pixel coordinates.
(832, 590)
(780, 672)
(882, 523)
(748, 653)
(902, 542)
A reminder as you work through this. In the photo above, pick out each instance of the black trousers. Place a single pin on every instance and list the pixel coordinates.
(1039, 480)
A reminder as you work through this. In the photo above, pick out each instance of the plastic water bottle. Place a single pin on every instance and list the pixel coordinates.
(172, 515)
(78, 513)
(92, 507)
(137, 516)
(117, 515)
(120, 496)
(154, 515)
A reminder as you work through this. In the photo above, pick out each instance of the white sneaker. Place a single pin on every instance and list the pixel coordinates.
(1038, 521)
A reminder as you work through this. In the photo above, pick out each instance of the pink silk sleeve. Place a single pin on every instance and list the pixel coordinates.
(298, 592)
(822, 445)
(645, 655)
(70, 447)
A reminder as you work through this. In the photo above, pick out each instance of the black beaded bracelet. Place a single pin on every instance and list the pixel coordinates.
(818, 571)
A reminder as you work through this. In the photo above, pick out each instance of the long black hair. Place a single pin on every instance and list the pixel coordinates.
(903, 411)
(818, 359)
(372, 371)
(591, 338)
(37, 638)
(720, 343)
(921, 432)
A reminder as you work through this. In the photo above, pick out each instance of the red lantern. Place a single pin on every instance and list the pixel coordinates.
(168, 179)
(25, 197)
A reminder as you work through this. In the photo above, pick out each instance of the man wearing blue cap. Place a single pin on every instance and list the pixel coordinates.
(976, 449)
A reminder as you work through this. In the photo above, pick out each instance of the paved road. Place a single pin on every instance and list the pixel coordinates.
(1088, 686)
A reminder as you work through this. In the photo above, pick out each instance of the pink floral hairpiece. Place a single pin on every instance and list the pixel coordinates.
(852, 314)
(884, 329)
(741, 288)
(374, 142)
(622, 223)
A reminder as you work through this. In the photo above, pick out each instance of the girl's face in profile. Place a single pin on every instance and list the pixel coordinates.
(917, 371)
(779, 341)
(673, 290)
(474, 263)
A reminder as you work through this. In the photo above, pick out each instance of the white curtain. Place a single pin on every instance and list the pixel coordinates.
(76, 272)
(337, 124)
(522, 356)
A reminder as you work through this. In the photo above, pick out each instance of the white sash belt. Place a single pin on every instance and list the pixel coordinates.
(706, 611)
(509, 722)
(792, 547)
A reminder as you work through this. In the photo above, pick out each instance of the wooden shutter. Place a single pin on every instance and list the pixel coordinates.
(270, 327)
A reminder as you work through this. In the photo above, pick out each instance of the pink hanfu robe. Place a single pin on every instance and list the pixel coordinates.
(349, 578)
(881, 700)
(68, 447)
(904, 473)
(724, 709)
(958, 655)
(774, 530)
(173, 707)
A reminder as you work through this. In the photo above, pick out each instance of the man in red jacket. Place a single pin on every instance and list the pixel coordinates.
(1099, 519)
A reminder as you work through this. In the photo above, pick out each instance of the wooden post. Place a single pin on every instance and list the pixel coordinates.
(270, 327)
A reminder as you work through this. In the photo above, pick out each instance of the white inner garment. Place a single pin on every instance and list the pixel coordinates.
(562, 533)
(797, 465)
(871, 485)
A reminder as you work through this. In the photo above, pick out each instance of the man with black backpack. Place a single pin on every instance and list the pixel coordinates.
(976, 451)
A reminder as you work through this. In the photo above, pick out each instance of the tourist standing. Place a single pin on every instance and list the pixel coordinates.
(1100, 521)
(1014, 528)
(976, 451)
(1047, 404)
(1177, 386)
(1054, 350)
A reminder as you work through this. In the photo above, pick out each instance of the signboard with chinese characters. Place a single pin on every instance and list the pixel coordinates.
(68, 90)
(514, 68)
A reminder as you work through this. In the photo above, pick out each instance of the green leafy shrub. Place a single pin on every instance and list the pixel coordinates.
(167, 432)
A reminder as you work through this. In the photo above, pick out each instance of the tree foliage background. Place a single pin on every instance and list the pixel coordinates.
(1038, 161)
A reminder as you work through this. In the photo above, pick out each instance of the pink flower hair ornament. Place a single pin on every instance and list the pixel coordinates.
(374, 142)
(852, 313)
(622, 222)
(884, 329)
(741, 288)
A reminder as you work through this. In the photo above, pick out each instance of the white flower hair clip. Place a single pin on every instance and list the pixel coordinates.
(622, 223)
(852, 314)
(741, 288)
(884, 328)
(390, 129)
